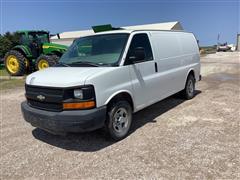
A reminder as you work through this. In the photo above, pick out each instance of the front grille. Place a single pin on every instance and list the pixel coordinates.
(52, 101)
(45, 106)
(49, 91)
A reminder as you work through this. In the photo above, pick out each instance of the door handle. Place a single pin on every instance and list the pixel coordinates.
(156, 67)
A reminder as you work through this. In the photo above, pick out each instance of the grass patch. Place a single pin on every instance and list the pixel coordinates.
(3, 72)
(11, 83)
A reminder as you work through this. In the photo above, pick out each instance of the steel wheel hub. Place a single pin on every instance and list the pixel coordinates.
(190, 87)
(121, 120)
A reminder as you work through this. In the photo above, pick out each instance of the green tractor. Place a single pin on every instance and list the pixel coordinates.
(34, 52)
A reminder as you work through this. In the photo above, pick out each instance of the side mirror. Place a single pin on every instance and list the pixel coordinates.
(138, 54)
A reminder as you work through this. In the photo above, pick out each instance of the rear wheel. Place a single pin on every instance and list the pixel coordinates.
(15, 63)
(189, 90)
(119, 120)
(45, 61)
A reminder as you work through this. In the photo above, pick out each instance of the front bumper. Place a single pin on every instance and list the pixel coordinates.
(65, 121)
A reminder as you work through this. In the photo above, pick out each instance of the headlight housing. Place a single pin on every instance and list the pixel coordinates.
(82, 97)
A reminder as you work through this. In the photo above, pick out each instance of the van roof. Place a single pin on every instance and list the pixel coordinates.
(130, 31)
(115, 31)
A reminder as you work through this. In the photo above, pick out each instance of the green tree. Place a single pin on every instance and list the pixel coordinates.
(13, 37)
(7, 42)
(5, 46)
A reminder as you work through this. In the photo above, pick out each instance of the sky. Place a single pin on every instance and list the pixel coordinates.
(205, 18)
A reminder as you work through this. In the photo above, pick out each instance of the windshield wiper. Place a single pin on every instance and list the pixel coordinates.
(86, 63)
(62, 64)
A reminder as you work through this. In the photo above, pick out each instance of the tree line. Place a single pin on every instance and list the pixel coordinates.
(7, 42)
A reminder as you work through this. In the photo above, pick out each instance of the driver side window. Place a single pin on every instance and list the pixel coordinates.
(140, 41)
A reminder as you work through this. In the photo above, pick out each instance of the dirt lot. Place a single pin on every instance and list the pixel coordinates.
(196, 139)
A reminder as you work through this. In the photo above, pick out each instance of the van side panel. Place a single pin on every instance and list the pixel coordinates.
(176, 53)
(168, 54)
(190, 51)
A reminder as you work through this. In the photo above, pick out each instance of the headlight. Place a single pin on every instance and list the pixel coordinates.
(78, 93)
(79, 98)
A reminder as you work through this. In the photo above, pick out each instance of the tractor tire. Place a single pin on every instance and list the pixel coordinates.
(27, 66)
(14, 62)
(45, 61)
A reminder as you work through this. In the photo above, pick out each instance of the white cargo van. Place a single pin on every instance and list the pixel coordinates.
(102, 79)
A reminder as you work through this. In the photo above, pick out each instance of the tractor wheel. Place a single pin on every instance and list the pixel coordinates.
(15, 63)
(27, 66)
(45, 61)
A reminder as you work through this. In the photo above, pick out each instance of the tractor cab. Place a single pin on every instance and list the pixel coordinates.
(34, 40)
(27, 37)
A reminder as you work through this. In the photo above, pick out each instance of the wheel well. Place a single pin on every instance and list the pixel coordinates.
(121, 96)
(191, 73)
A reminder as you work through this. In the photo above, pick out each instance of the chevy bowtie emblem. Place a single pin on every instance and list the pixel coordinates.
(41, 97)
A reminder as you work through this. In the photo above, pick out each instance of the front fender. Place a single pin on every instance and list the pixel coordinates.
(50, 48)
(24, 49)
(119, 92)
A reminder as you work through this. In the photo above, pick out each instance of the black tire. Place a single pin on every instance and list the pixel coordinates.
(114, 130)
(50, 59)
(27, 66)
(189, 90)
(20, 58)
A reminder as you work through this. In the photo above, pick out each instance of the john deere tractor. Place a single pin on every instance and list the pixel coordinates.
(34, 52)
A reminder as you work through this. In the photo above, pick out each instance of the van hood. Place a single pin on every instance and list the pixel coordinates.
(64, 76)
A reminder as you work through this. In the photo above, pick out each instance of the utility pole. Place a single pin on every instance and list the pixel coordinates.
(218, 37)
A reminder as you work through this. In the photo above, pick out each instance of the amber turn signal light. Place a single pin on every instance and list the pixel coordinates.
(79, 105)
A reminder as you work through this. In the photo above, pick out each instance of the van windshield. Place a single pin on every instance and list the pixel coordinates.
(99, 50)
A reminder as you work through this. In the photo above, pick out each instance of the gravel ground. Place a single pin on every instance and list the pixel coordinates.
(173, 139)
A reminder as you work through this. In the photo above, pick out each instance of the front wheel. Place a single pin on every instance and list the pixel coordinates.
(189, 90)
(119, 120)
(45, 61)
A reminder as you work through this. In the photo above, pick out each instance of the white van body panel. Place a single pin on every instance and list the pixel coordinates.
(174, 53)
(107, 84)
(64, 76)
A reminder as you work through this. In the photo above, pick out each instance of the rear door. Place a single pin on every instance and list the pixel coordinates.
(142, 72)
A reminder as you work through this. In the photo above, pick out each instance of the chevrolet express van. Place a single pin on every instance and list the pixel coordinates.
(104, 78)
